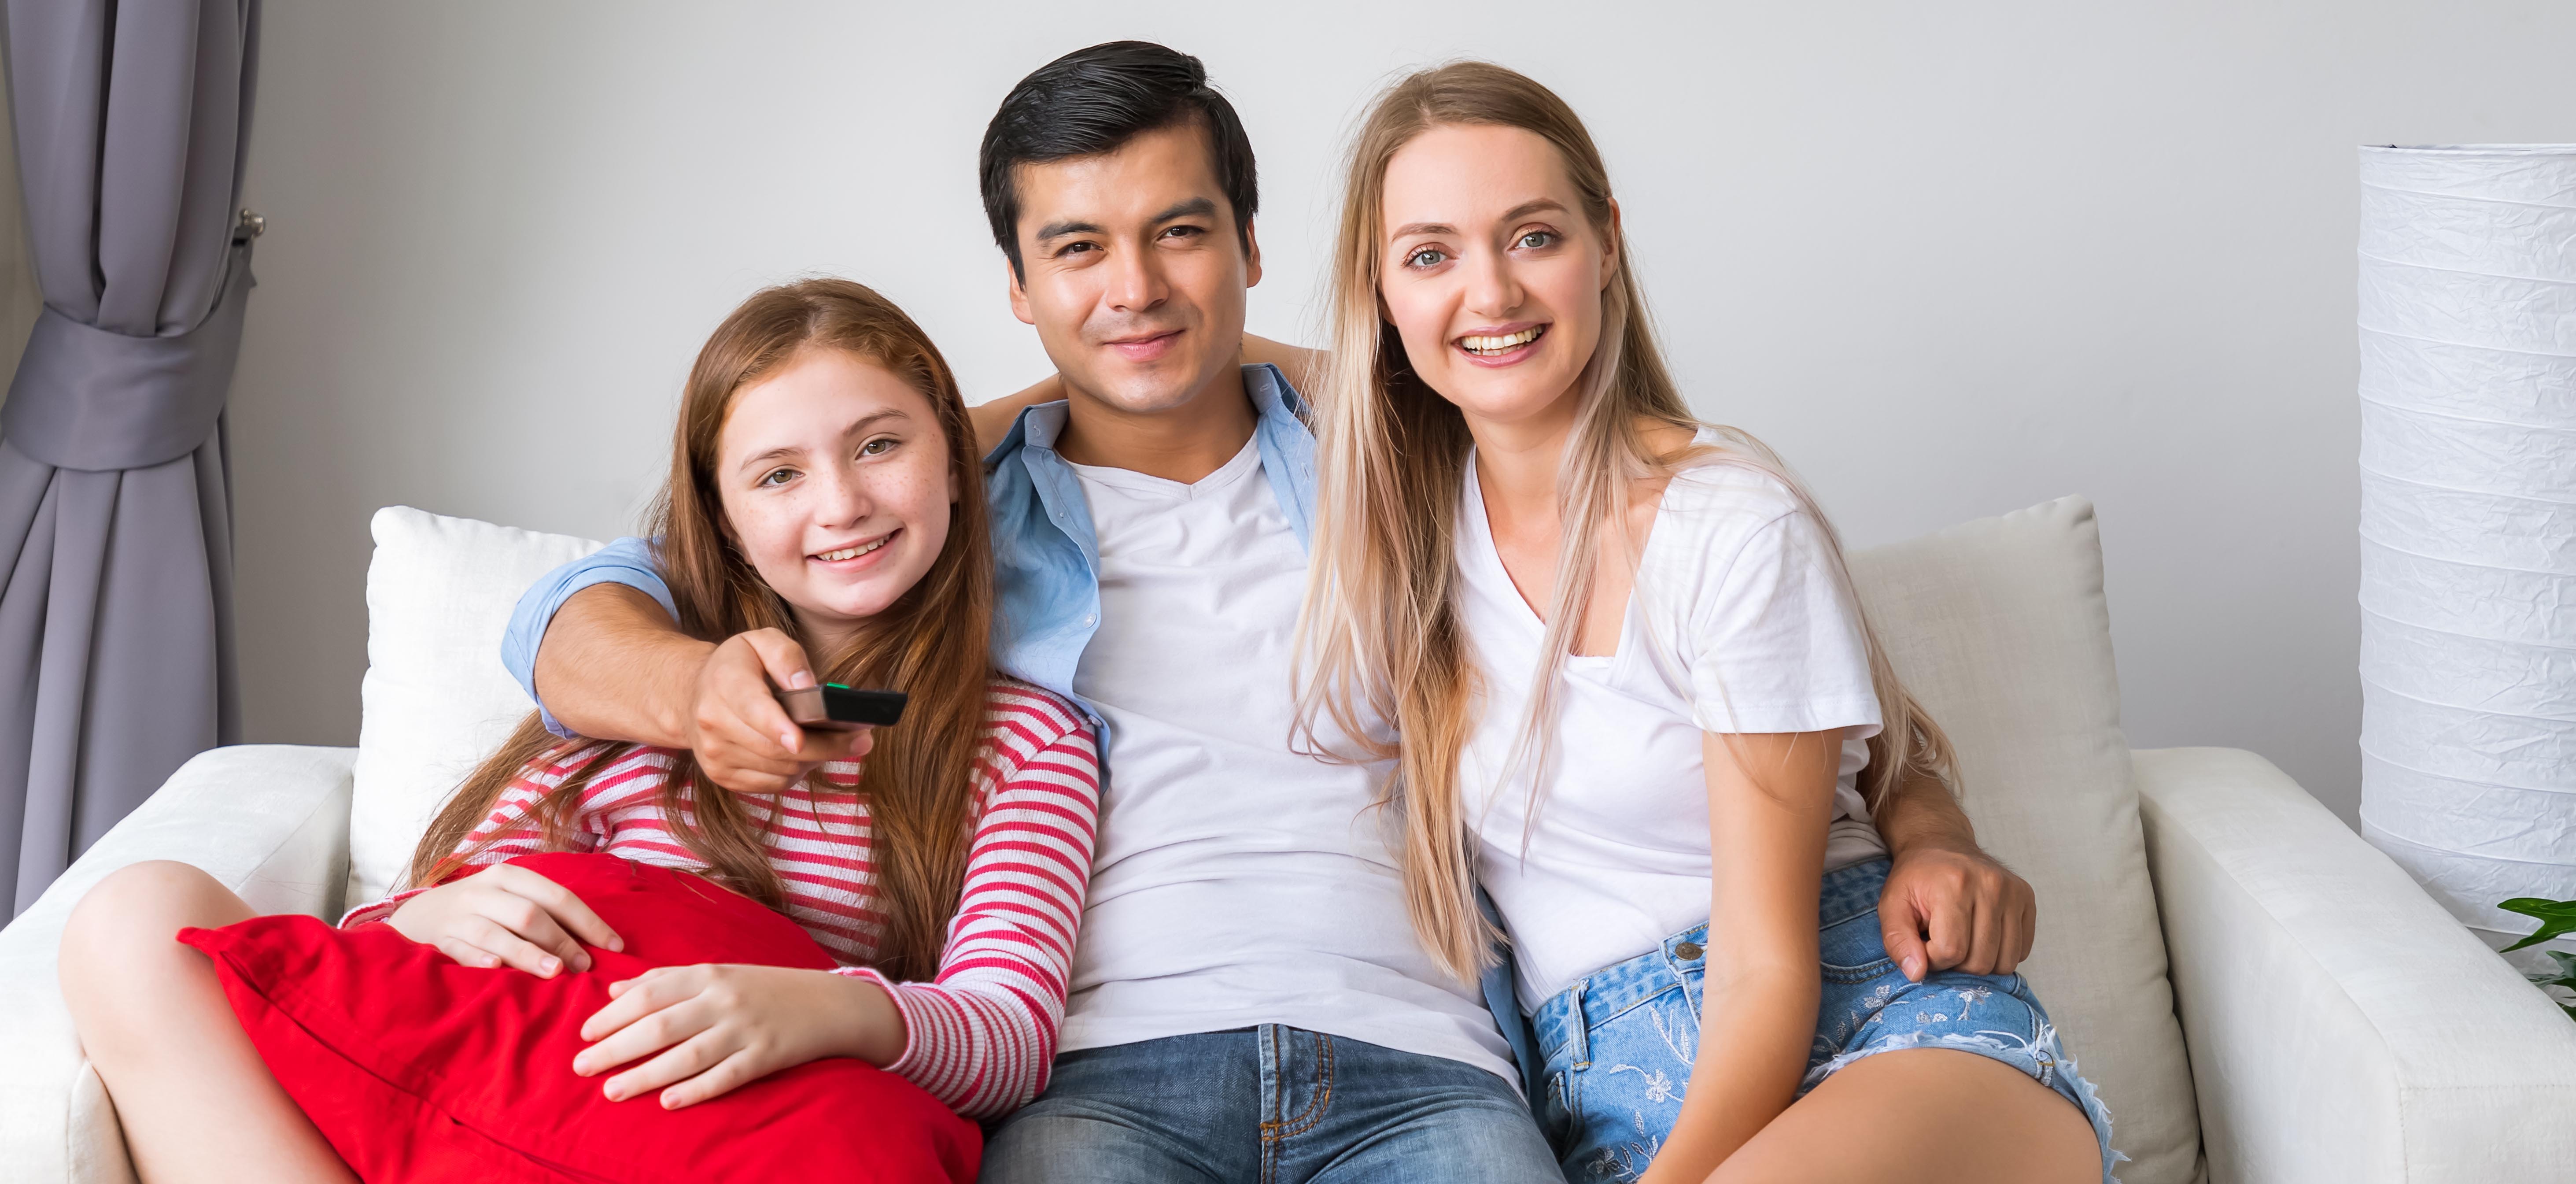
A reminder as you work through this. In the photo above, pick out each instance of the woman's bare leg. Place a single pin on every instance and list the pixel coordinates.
(1923, 1116)
(196, 1101)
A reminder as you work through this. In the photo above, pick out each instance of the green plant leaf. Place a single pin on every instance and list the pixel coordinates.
(2555, 916)
(2566, 976)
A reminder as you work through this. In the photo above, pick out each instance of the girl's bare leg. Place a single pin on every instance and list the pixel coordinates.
(1923, 1116)
(196, 1101)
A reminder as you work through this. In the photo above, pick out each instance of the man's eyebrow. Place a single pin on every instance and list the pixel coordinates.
(1196, 207)
(1062, 228)
(1539, 205)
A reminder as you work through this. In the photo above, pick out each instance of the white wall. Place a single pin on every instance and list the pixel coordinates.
(1950, 259)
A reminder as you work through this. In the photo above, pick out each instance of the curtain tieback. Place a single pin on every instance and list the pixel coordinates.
(93, 399)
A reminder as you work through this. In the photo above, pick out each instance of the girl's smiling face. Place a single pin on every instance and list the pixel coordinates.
(835, 480)
(1492, 276)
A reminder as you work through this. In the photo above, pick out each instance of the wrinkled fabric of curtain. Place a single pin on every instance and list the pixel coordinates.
(2468, 523)
(116, 632)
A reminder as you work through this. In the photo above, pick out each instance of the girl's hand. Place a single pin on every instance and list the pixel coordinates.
(725, 1026)
(506, 915)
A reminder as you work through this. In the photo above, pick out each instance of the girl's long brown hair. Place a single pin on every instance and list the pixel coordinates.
(931, 644)
(1380, 637)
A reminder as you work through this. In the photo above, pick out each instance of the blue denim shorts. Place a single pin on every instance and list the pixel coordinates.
(1617, 1047)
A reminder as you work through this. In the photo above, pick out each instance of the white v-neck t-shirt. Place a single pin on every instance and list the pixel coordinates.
(1237, 881)
(1737, 624)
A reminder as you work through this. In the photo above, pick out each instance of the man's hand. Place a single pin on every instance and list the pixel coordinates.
(1304, 367)
(506, 915)
(725, 1026)
(993, 418)
(742, 737)
(1949, 909)
(613, 666)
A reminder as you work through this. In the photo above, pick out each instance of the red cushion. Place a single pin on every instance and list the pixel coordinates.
(417, 1068)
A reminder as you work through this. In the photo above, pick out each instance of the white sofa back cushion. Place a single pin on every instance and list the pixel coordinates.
(436, 700)
(1999, 627)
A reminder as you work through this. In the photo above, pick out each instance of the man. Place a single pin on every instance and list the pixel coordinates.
(1248, 1000)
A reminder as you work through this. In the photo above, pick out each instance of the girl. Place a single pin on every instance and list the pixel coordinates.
(1634, 692)
(824, 484)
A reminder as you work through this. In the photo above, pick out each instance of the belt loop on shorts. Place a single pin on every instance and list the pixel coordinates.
(1578, 1040)
(1681, 952)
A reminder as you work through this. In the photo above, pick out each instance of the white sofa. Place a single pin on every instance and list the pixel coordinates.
(2259, 995)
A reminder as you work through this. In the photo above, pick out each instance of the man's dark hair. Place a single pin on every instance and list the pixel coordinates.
(1092, 101)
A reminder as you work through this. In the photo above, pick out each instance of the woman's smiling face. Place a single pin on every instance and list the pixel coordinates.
(836, 485)
(1492, 276)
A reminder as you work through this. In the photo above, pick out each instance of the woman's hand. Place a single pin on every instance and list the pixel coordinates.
(505, 915)
(725, 1026)
(742, 737)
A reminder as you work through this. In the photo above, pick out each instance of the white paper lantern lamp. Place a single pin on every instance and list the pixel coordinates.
(2468, 522)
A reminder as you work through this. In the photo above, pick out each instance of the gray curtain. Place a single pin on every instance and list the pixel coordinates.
(116, 634)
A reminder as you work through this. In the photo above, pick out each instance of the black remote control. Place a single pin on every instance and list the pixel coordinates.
(832, 705)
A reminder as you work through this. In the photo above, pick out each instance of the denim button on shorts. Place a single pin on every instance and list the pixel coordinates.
(1617, 1047)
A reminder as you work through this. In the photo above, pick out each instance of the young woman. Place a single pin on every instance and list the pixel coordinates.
(824, 483)
(1634, 692)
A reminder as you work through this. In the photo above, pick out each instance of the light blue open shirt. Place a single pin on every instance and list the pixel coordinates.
(1046, 572)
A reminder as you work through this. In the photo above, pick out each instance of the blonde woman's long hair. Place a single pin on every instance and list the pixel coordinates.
(1382, 654)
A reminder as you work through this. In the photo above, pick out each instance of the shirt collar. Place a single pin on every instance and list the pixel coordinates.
(1271, 395)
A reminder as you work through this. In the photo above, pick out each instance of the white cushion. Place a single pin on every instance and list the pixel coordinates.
(1999, 627)
(436, 700)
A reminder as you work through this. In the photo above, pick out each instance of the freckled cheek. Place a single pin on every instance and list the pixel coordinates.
(932, 523)
(771, 531)
(917, 494)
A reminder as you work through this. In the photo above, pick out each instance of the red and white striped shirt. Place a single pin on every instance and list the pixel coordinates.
(982, 1035)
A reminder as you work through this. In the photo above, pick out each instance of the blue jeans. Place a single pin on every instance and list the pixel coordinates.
(1273, 1105)
(1618, 1046)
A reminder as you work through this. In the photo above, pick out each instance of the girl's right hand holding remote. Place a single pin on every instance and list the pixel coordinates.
(506, 915)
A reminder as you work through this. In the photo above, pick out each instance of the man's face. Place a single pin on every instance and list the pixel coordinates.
(1133, 274)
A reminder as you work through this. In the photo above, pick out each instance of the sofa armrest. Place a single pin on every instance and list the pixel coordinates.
(270, 821)
(2342, 1026)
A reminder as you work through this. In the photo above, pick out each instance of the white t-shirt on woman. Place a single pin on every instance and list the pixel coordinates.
(1737, 624)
